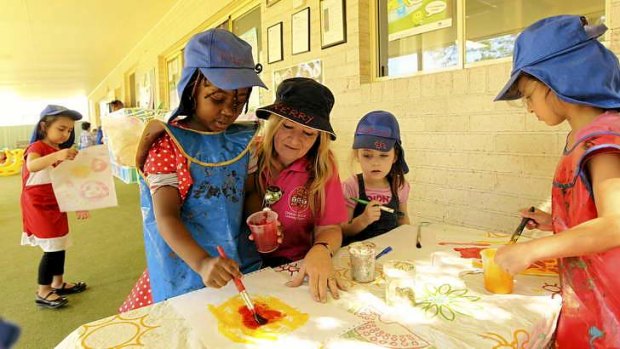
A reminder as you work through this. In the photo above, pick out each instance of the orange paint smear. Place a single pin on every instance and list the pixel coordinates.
(263, 310)
(469, 252)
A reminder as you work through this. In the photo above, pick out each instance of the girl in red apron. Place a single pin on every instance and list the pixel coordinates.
(565, 74)
(44, 225)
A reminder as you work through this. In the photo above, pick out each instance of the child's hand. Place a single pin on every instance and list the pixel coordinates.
(372, 213)
(66, 154)
(217, 271)
(538, 219)
(514, 258)
(82, 215)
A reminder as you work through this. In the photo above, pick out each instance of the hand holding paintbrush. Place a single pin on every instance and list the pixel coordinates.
(517, 233)
(243, 293)
(381, 207)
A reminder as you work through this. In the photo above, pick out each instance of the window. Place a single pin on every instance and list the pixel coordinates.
(174, 66)
(423, 35)
(491, 26)
(248, 27)
(416, 36)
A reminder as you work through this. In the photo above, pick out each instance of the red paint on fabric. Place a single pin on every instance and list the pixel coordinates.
(469, 252)
(263, 310)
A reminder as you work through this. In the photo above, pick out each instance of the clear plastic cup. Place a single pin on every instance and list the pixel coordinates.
(264, 228)
(399, 283)
(362, 261)
(496, 279)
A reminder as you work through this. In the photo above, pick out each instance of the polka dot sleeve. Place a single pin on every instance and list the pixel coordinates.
(165, 158)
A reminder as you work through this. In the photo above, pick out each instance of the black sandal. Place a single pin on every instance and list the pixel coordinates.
(50, 303)
(77, 288)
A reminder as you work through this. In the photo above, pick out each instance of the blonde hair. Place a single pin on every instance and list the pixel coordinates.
(321, 158)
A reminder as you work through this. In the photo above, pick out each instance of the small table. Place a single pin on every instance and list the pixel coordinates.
(453, 310)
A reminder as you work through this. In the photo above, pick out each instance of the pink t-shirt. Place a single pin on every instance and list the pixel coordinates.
(382, 195)
(293, 209)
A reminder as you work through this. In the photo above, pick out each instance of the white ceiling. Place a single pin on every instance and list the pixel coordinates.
(63, 48)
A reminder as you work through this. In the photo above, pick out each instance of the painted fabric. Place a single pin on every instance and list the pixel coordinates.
(211, 211)
(43, 223)
(590, 316)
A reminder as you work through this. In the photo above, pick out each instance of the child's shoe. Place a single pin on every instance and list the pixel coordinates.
(50, 303)
(77, 288)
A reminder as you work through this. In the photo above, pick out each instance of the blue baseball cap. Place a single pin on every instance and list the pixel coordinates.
(223, 58)
(51, 110)
(379, 130)
(563, 52)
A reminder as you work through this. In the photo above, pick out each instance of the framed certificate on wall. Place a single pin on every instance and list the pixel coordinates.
(300, 31)
(274, 43)
(333, 23)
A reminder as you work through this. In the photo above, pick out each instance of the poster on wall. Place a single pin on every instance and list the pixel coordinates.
(412, 17)
(311, 69)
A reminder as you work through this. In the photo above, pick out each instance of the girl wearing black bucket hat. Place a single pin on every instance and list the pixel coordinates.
(565, 74)
(295, 157)
(193, 169)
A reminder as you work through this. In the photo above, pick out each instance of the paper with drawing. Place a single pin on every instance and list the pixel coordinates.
(85, 183)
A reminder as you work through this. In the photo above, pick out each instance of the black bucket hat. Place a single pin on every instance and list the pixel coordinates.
(304, 101)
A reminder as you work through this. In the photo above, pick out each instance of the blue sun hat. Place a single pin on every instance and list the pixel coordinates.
(379, 130)
(50, 110)
(223, 58)
(563, 52)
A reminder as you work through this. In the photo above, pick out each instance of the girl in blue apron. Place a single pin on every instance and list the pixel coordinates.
(193, 171)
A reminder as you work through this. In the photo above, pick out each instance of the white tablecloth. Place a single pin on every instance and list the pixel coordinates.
(453, 310)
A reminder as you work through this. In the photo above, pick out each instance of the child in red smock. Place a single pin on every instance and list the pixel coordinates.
(565, 74)
(43, 223)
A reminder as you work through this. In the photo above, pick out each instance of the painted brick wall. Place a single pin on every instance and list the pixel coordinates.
(473, 162)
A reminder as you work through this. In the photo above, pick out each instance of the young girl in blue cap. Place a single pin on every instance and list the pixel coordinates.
(194, 169)
(565, 74)
(378, 149)
(43, 222)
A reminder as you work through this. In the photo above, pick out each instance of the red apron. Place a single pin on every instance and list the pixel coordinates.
(590, 316)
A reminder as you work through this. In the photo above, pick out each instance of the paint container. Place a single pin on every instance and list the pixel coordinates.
(399, 283)
(496, 279)
(264, 228)
(362, 261)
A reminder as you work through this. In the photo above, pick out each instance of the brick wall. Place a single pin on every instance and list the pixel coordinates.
(472, 162)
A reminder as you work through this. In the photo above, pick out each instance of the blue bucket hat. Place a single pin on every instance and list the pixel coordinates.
(563, 52)
(51, 110)
(223, 58)
(379, 130)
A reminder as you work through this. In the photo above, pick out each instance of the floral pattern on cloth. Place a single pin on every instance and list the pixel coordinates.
(446, 302)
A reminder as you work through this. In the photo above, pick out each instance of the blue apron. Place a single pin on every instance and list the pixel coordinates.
(212, 211)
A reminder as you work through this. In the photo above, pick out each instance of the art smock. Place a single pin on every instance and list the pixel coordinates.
(43, 223)
(212, 209)
(590, 316)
